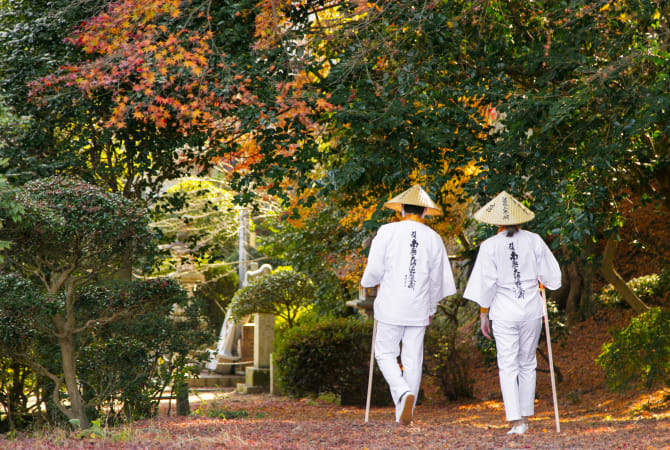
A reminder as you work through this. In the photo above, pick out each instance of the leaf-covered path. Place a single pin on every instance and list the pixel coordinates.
(282, 423)
(591, 416)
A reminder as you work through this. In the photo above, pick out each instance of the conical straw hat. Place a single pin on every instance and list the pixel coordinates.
(504, 210)
(414, 196)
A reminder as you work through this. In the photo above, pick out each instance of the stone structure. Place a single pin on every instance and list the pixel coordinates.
(365, 302)
(257, 377)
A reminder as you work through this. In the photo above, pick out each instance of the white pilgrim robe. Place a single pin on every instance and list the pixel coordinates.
(506, 274)
(409, 262)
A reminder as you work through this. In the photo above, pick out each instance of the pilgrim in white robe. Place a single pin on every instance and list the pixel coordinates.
(505, 279)
(409, 263)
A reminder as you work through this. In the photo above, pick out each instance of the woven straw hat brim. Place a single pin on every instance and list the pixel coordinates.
(504, 210)
(414, 196)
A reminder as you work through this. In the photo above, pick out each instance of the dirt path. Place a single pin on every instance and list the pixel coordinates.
(591, 416)
(282, 423)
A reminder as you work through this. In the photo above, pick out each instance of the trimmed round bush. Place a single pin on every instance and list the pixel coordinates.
(331, 355)
(282, 293)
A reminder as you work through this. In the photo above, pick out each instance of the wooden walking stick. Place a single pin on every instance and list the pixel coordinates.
(550, 357)
(372, 366)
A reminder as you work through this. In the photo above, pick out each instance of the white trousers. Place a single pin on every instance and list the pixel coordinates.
(516, 344)
(388, 347)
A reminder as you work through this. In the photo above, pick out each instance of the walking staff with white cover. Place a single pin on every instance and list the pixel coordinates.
(550, 357)
(505, 282)
(372, 368)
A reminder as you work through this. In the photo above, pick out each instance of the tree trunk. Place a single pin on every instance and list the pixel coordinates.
(181, 392)
(125, 271)
(574, 294)
(586, 297)
(17, 401)
(612, 276)
(77, 408)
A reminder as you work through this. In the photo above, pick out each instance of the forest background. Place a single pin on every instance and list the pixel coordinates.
(312, 114)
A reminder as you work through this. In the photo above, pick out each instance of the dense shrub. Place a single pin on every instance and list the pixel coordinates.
(17, 392)
(663, 288)
(639, 354)
(123, 366)
(450, 364)
(447, 350)
(652, 289)
(90, 342)
(331, 355)
(127, 364)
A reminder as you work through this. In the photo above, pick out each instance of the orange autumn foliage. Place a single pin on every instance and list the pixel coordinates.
(452, 198)
(158, 63)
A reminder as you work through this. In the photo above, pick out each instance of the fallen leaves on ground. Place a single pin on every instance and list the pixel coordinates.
(591, 417)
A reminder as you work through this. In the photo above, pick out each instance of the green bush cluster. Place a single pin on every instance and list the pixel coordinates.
(649, 288)
(639, 354)
(331, 355)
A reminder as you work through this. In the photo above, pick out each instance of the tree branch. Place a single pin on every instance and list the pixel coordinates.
(612, 276)
(99, 321)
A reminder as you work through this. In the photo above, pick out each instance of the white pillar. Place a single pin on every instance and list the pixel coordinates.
(264, 334)
(242, 258)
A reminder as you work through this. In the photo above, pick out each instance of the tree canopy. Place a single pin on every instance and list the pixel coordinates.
(345, 102)
(282, 292)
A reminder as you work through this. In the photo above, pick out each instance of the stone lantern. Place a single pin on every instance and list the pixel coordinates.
(365, 302)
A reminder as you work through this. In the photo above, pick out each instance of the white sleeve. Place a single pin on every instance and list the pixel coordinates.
(548, 270)
(481, 287)
(374, 270)
(441, 278)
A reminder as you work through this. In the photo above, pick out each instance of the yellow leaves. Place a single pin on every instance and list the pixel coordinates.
(471, 169)
(303, 211)
(451, 197)
(148, 77)
(193, 67)
(617, 9)
(623, 17)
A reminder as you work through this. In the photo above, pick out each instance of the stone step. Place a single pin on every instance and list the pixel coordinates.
(242, 388)
(211, 380)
